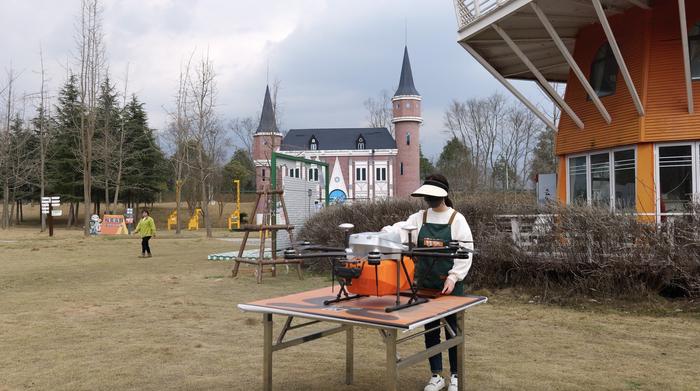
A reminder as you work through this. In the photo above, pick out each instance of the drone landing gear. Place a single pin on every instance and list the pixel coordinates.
(343, 295)
(414, 300)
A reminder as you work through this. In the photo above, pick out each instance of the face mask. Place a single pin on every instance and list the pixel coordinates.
(433, 202)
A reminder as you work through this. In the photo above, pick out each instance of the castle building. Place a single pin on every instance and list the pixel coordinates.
(364, 163)
(629, 134)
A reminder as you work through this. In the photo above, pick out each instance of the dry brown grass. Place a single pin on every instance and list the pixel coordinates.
(86, 314)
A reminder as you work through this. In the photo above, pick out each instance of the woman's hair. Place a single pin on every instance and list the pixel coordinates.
(441, 178)
(146, 212)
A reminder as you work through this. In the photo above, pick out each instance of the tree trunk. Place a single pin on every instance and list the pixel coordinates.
(6, 204)
(71, 215)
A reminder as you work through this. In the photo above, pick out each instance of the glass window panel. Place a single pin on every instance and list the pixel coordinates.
(578, 185)
(694, 47)
(675, 178)
(600, 179)
(625, 181)
(604, 69)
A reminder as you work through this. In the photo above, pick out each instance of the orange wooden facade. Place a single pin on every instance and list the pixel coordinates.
(650, 42)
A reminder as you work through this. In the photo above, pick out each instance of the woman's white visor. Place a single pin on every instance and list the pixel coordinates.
(429, 190)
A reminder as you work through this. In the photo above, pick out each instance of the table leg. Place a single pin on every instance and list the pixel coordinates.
(267, 352)
(460, 352)
(392, 373)
(349, 355)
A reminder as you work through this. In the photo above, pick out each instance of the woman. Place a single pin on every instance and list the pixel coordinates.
(147, 228)
(436, 227)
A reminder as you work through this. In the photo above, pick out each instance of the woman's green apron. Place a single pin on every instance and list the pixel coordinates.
(431, 272)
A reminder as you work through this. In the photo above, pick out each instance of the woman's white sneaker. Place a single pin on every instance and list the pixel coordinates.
(436, 383)
(453, 383)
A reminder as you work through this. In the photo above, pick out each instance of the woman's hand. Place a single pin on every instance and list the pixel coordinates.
(448, 287)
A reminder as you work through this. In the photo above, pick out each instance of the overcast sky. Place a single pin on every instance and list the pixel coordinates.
(329, 55)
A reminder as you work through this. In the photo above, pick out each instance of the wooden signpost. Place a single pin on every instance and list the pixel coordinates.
(47, 207)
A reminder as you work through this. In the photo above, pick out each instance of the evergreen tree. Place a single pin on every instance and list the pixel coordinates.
(545, 159)
(240, 167)
(146, 169)
(63, 169)
(106, 142)
(426, 166)
(455, 163)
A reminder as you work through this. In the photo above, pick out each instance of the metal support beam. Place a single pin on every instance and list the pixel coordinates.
(618, 56)
(543, 81)
(572, 63)
(686, 56)
(640, 3)
(509, 86)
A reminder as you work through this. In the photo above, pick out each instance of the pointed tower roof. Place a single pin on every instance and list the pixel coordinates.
(267, 117)
(406, 86)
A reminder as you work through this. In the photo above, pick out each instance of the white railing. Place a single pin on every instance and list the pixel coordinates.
(469, 11)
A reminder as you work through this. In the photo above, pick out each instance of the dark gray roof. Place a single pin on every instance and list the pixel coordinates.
(406, 86)
(338, 138)
(267, 117)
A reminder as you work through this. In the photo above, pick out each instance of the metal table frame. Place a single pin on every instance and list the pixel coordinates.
(390, 335)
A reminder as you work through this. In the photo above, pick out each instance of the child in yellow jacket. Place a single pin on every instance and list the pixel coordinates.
(147, 228)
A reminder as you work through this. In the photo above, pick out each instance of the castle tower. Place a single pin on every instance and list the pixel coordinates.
(266, 139)
(407, 120)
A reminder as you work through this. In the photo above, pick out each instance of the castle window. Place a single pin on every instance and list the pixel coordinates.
(313, 144)
(263, 174)
(360, 142)
(604, 71)
(361, 174)
(401, 169)
(381, 174)
(694, 44)
(408, 105)
(408, 138)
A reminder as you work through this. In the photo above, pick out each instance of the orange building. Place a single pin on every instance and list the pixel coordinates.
(629, 134)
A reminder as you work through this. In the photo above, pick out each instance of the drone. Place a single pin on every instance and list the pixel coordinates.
(378, 264)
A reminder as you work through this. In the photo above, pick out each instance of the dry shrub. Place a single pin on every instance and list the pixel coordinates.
(578, 251)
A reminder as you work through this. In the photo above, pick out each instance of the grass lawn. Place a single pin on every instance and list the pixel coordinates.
(87, 314)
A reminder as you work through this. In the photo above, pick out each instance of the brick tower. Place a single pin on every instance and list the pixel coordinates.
(407, 120)
(266, 139)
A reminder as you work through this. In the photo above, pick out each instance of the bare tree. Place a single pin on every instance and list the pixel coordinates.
(178, 134)
(89, 39)
(207, 132)
(6, 146)
(379, 111)
(42, 129)
(119, 158)
(244, 129)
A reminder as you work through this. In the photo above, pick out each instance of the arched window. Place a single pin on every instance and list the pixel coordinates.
(408, 138)
(313, 143)
(604, 71)
(360, 142)
(694, 44)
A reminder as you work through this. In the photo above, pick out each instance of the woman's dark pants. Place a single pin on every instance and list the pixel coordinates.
(145, 248)
(432, 338)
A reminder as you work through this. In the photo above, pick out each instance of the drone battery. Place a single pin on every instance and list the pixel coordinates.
(382, 281)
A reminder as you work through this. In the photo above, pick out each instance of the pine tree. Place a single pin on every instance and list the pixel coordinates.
(545, 159)
(146, 167)
(63, 169)
(106, 142)
(240, 167)
(455, 163)
(426, 166)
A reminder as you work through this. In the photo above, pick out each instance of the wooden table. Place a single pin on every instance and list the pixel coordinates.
(362, 312)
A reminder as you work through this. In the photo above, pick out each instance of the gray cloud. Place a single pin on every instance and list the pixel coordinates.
(329, 55)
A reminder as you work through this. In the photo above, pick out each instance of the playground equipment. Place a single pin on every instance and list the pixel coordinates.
(235, 218)
(265, 201)
(193, 224)
(172, 219)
